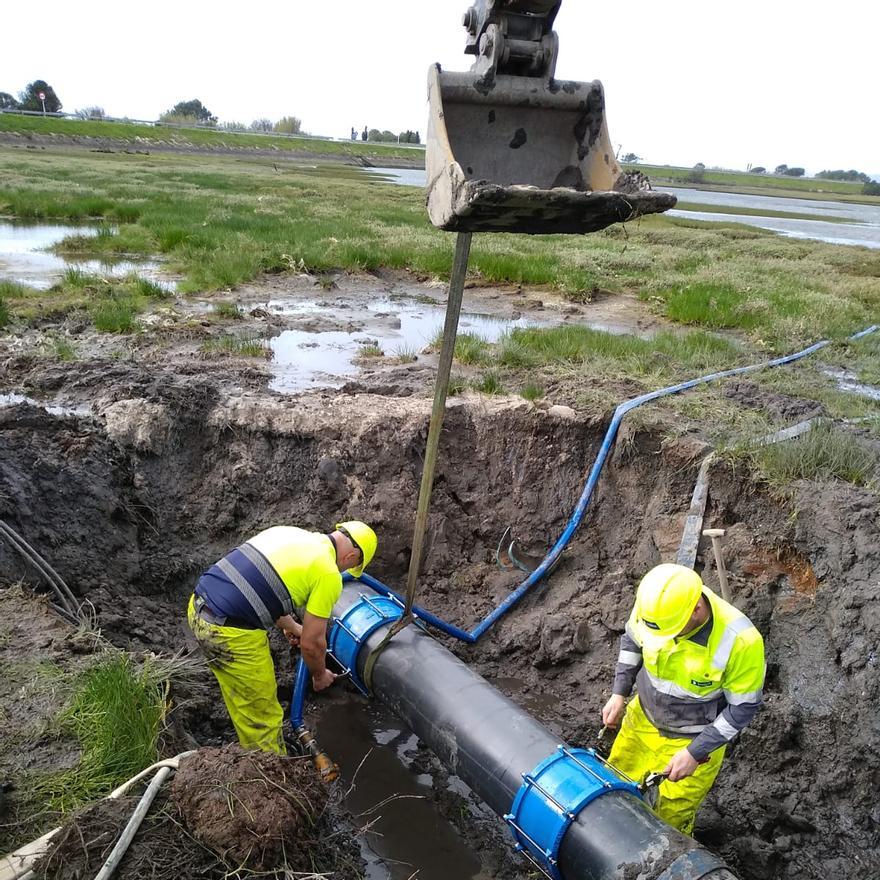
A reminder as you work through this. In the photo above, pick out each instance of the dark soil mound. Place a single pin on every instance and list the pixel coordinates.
(253, 809)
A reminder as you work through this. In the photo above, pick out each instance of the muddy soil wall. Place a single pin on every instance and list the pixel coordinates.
(130, 504)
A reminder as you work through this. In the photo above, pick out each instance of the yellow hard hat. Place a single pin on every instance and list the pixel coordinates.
(665, 600)
(364, 538)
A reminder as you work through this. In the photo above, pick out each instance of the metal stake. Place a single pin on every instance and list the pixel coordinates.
(441, 387)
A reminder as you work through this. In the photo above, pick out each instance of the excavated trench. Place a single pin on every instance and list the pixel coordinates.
(131, 502)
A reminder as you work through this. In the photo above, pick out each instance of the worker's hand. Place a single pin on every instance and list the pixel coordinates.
(613, 711)
(293, 634)
(291, 629)
(681, 765)
(323, 681)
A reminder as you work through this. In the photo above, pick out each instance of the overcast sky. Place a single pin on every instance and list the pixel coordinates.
(771, 82)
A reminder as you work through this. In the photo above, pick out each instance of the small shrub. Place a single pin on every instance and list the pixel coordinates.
(226, 309)
(532, 392)
(232, 346)
(371, 351)
(490, 383)
(63, 350)
(404, 354)
(470, 348)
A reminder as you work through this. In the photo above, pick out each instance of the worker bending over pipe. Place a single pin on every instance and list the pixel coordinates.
(262, 584)
(699, 666)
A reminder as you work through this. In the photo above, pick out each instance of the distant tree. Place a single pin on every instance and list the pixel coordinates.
(871, 188)
(840, 174)
(29, 99)
(233, 126)
(90, 113)
(8, 102)
(632, 158)
(193, 109)
(288, 125)
(794, 172)
(780, 169)
(697, 174)
(262, 125)
(759, 169)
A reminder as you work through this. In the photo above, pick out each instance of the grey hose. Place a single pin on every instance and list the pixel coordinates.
(134, 823)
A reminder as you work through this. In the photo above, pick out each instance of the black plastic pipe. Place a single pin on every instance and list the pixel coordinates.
(490, 742)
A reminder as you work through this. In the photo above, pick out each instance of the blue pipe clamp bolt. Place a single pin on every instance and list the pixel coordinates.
(552, 796)
(349, 632)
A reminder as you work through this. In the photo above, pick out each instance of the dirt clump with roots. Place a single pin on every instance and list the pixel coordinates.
(225, 811)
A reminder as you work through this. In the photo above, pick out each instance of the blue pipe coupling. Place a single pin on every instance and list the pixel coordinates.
(349, 632)
(552, 796)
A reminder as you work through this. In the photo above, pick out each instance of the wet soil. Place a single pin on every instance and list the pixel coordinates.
(179, 459)
(226, 811)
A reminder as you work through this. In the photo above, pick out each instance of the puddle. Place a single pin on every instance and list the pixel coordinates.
(408, 833)
(25, 260)
(12, 399)
(847, 381)
(322, 351)
(534, 704)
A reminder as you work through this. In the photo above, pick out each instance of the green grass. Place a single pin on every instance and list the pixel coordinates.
(369, 352)
(532, 392)
(14, 290)
(226, 309)
(489, 383)
(744, 181)
(233, 346)
(405, 354)
(123, 131)
(116, 714)
(4, 313)
(64, 350)
(223, 220)
(115, 315)
(471, 348)
(824, 453)
(112, 304)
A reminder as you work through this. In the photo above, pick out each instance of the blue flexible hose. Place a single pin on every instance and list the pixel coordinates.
(298, 700)
(587, 493)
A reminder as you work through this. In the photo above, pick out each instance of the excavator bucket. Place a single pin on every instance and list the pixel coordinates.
(511, 149)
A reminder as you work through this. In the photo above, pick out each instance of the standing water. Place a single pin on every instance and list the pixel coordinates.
(408, 835)
(849, 223)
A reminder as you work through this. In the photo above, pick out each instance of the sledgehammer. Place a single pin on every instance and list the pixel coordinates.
(716, 535)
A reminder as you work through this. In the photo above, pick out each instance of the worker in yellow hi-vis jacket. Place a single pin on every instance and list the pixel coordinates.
(262, 584)
(698, 664)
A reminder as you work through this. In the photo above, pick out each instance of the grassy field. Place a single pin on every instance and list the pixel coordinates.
(741, 181)
(223, 220)
(143, 135)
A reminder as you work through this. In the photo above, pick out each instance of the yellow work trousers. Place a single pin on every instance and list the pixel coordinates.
(242, 663)
(640, 749)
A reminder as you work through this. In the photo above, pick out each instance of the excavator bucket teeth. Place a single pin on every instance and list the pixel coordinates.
(526, 154)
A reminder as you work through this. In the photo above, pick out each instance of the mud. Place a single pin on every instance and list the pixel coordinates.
(226, 812)
(179, 460)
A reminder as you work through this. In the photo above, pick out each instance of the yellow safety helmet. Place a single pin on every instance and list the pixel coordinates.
(665, 600)
(364, 538)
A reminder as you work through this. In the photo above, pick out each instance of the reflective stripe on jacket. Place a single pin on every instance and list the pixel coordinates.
(707, 686)
(281, 569)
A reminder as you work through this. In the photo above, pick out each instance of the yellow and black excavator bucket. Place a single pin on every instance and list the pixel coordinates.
(510, 148)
